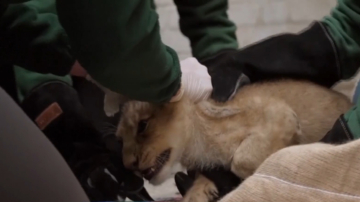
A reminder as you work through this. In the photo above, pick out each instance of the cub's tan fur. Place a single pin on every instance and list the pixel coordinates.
(239, 134)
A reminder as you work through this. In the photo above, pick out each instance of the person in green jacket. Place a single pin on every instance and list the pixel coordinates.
(326, 52)
(119, 44)
(146, 69)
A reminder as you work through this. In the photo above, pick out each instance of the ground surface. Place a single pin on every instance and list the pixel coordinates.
(256, 20)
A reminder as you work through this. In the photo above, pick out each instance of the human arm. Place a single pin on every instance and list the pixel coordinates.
(326, 52)
(33, 40)
(119, 45)
(343, 28)
(207, 26)
(42, 6)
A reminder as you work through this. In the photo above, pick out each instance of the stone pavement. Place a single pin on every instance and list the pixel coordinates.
(256, 20)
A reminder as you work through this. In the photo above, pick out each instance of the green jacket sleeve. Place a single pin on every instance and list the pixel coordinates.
(206, 24)
(343, 25)
(42, 6)
(119, 44)
(34, 40)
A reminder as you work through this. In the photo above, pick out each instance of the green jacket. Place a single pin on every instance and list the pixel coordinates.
(119, 44)
(31, 38)
(343, 24)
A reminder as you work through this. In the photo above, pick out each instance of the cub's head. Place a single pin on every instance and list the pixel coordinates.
(154, 137)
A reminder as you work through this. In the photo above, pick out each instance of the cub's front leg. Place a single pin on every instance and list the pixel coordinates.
(280, 129)
(203, 190)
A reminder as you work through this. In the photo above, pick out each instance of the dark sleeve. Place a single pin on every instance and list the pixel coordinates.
(3, 7)
(343, 25)
(42, 6)
(118, 43)
(34, 40)
(206, 24)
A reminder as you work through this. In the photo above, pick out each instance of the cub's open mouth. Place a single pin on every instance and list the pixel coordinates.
(160, 162)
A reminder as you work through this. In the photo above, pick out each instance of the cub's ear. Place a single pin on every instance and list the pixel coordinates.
(167, 105)
(112, 100)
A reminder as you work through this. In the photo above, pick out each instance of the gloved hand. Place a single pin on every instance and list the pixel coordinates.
(103, 176)
(309, 55)
(195, 84)
(34, 41)
(195, 81)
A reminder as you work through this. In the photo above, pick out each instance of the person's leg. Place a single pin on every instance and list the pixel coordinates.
(31, 168)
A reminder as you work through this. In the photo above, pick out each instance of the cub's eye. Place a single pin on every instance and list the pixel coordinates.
(142, 126)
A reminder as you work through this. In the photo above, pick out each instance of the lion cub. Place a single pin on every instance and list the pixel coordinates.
(239, 134)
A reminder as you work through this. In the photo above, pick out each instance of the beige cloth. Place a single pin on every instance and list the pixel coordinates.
(308, 173)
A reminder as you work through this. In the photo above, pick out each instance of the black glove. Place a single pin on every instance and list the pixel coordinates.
(32, 40)
(224, 180)
(309, 55)
(340, 133)
(102, 174)
(95, 159)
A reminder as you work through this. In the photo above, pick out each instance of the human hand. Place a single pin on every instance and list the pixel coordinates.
(226, 70)
(195, 81)
(101, 172)
(308, 55)
(103, 176)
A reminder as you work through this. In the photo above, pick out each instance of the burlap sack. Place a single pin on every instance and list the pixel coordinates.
(307, 173)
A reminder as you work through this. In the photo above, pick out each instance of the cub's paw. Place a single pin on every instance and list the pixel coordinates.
(203, 190)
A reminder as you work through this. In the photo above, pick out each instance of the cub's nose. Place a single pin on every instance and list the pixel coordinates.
(131, 163)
